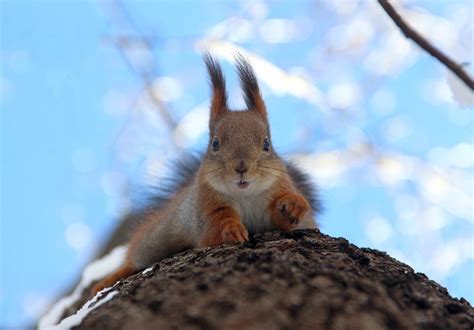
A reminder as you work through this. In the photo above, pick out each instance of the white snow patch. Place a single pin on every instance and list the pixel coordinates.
(463, 96)
(76, 319)
(96, 270)
(149, 269)
(278, 80)
(192, 125)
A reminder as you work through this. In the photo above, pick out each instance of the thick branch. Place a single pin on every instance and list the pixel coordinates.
(297, 280)
(410, 33)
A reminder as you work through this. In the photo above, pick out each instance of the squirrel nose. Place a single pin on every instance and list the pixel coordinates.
(241, 168)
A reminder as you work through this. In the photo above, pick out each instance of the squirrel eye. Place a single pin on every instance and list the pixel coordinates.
(215, 144)
(266, 144)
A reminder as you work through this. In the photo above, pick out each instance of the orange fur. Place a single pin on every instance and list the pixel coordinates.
(260, 104)
(288, 210)
(218, 104)
(223, 224)
(288, 207)
(205, 211)
(219, 94)
(126, 270)
(150, 220)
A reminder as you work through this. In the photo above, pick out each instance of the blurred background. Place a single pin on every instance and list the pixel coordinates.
(97, 96)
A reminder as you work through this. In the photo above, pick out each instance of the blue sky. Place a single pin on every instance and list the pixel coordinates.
(67, 101)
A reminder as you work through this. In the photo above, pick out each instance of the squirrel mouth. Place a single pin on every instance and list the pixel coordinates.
(242, 184)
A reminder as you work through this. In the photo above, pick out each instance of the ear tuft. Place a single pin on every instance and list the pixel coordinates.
(217, 82)
(249, 84)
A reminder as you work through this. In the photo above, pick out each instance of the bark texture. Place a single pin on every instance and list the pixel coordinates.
(297, 280)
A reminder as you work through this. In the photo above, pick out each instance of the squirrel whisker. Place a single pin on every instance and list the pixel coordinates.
(214, 170)
(273, 168)
(267, 172)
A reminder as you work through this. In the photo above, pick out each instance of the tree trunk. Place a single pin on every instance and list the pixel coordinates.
(297, 280)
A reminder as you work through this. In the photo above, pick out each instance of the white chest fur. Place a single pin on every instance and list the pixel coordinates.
(254, 212)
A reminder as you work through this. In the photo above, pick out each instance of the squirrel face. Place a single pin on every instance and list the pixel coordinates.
(240, 158)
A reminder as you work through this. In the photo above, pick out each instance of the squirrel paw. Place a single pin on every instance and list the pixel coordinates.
(292, 208)
(234, 232)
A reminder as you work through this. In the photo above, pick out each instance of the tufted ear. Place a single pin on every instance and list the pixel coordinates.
(249, 84)
(219, 93)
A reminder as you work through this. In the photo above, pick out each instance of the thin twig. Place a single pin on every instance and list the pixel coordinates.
(146, 77)
(410, 33)
(146, 74)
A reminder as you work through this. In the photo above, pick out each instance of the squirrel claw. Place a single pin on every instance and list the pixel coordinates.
(293, 208)
(234, 233)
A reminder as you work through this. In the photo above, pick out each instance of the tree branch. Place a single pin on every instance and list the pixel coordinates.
(410, 33)
(254, 286)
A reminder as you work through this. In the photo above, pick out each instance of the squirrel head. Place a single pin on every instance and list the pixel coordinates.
(240, 158)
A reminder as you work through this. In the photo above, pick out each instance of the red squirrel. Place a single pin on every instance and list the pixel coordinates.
(239, 186)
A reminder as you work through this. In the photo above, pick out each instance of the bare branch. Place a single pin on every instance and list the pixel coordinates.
(124, 44)
(147, 79)
(410, 33)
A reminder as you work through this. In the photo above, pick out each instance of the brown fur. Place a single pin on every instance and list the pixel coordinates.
(126, 270)
(223, 223)
(239, 187)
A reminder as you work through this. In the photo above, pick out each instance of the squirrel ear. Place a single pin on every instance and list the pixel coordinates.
(249, 84)
(219, 94)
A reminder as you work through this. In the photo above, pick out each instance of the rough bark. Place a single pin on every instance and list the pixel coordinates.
(297, 280)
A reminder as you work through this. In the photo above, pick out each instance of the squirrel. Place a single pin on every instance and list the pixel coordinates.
(239, 186)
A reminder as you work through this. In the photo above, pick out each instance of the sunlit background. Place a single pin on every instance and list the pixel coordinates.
(96, 97)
